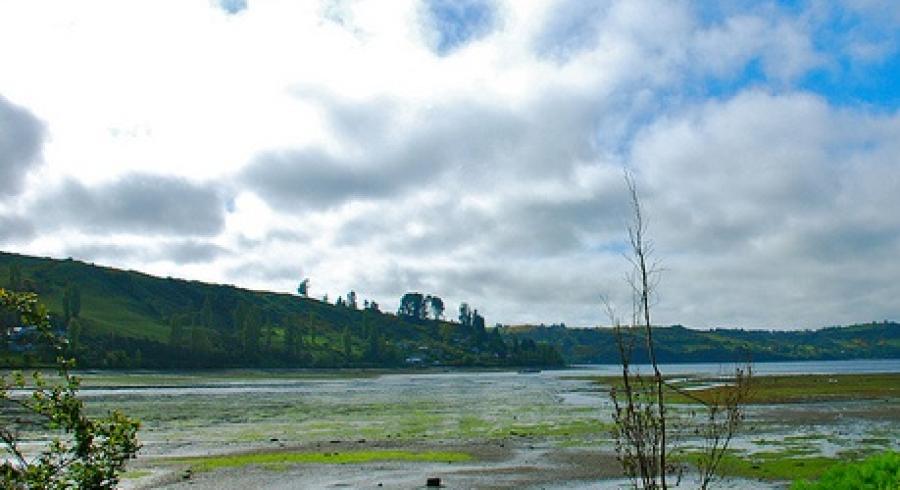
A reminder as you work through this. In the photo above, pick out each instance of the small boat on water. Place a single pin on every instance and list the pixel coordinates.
(529, 371)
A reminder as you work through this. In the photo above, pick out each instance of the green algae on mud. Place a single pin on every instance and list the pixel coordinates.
(771, 466)
(794, 388)
(819, 387)
(135, 474)
(282, 459)
(492, 417)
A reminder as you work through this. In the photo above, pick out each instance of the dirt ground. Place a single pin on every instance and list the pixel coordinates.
(494, 465)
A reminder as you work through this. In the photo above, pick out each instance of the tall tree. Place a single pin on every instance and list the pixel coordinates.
(67, 303)
(478, 327)
(412, 306)
(373, 346)
(311, 328)
(71, 302)
(465, 316)
(200, 343)
(290, 338)
(436, 306)
(249, 325)
(206, 312)
(73, 332)
(347, 343)
(75, 301)
(351, 300)
(176, 332)
(15, 277)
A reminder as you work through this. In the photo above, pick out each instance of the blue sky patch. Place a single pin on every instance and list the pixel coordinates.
(459, 22)
(233, 6)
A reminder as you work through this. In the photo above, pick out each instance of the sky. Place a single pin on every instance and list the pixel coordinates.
(470, 149)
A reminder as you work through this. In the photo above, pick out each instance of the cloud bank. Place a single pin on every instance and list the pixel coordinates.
(473, 150)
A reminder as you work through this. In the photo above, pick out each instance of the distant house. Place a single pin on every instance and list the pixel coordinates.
(21, 339)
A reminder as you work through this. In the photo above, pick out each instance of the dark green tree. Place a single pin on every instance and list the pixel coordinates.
(373, 346)
(15, 277)
(347, 343)
(67, 304)
(247, 321)
(311, 328)
(201, 346)
(478, 327)
(412, 306)
(465, 317)
(71, 302)
(497, 344)
(290, 338)
(179, 338)
(268, 334)
(73, 332)
(436, 307)
(206, 312)
(75, 301)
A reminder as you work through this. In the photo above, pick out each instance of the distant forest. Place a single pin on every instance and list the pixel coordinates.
(877, 340)
(126, 319)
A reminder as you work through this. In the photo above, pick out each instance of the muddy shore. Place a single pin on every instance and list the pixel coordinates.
(499, 430)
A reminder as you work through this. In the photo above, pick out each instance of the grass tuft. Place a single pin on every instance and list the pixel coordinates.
(878, 472)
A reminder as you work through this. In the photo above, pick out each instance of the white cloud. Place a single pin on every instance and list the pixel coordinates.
(337, 140)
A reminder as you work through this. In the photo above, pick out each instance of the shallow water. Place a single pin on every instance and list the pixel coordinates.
(858, 366)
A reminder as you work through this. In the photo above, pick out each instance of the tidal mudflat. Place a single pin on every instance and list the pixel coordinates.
(301, 429)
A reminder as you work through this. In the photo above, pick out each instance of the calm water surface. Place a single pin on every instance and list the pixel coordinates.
(860, 366)
(445, 384)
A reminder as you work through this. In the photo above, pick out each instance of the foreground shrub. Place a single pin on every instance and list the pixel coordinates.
(879, 472)
(84, 452)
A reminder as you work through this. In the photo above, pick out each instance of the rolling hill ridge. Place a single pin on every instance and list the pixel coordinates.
(127, 319)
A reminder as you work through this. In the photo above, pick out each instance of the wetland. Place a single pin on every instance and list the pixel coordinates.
(473, 429)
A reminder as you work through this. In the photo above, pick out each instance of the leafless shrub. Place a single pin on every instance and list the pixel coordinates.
(642, 422)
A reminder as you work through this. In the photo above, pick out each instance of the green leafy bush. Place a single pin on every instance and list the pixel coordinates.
(879, 472)
(86, 452)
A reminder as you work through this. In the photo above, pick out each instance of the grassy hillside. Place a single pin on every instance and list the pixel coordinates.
(131, 319)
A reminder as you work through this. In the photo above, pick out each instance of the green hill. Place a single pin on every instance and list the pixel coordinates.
(680, 344)
(128, 319)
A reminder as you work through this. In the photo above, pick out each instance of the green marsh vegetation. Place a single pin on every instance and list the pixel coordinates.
(456, 411)
(775, 389)
(282, 459)
(351, 408)
(877, 472)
